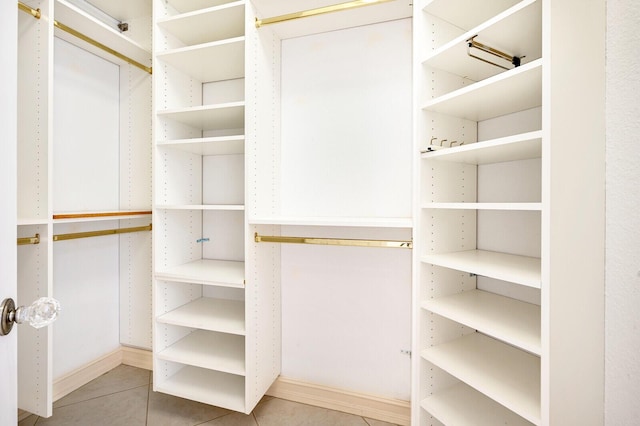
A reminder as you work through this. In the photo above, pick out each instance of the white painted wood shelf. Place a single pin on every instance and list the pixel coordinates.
(506, 319)
(222, 273)
(206, 386)
(505, 374)
(205, 25)
(522, 21)
(502, 266)
(210, 350)
(213, 61)
(463, 405)
(514, 90)
(466, 14)
(225, 316)
(211, 207)
(185, 6)
(218, 145)
(228, 115)
(366, 222)
(485, 206)
(524, 146)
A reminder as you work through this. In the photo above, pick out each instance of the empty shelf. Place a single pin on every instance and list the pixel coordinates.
(219, 145)
(505, 374)
(225, 316)
(224, 273)
(510, 320)
(466, 14)
(206, 386)
(206, 25)
(210, 350)
(368, 222)
(215, 61)
(463, 405)
(184, 6)
(523, 146)
(209, 117)
(507, 267)
(494, 96)
(485, 206)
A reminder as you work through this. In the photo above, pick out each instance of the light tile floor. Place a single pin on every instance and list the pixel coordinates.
(124, 397)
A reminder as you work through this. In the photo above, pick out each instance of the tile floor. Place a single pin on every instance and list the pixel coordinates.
(124, 397)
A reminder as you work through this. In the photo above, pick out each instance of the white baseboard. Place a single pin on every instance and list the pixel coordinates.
(385, 409)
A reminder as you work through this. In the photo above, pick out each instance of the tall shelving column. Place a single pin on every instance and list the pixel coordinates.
(509, 302)
(479, 131)
(203, 301)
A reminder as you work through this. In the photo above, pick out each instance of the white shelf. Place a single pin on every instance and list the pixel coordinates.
(31, 221)
(185, 6)
(466, 14)
(507, 267)
(73, 17)
(367, 222)
(524, 146)
(510, 320)
(463, 405)
(206, 386)
(214, 61)
(208, 207)
(223, 273)
(210, 350)
(505, 374)
(206, 25)
(511, 91)
(225, 316)
(485, 206)
(209, 117)
(521, 22)
(124, 216)
(219, 145)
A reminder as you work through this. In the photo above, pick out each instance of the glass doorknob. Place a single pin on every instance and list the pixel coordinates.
(39, 314)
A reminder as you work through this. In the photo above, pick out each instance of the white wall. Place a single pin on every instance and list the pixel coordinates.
(622, 338)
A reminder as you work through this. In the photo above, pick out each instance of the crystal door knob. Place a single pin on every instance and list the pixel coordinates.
(39, 314)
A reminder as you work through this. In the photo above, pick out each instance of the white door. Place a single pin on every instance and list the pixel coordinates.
(8, 233)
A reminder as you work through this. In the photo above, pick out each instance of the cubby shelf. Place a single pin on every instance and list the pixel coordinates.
(206, 349)
(521, 21)
(200, 26)
(213, 61)
(494, 96)
(219, 145)
(505, 374)
(208, 117)
(502, 266)
(523, 146)
(207, 386)
(225, 316)
(506, 319)
(223, 273)
(463, 405)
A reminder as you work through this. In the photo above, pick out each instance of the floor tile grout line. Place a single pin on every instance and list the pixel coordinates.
(97, 397)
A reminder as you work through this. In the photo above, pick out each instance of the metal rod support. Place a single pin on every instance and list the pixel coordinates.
(333, 241)
(77, 235)
(29, 240)
(318, 11)
(31, 11)
(471, 43)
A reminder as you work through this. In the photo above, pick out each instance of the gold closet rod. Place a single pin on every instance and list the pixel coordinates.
(29, 240)
(333, 241)
(36, 14)
(76, 235)
(318, 11)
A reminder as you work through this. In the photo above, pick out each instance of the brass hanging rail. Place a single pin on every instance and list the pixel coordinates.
(472, 43)
(31, 11)
(101, 233)
(36, 14)
(333, 241)
(318, 11)
(101, 214)
(29, 240)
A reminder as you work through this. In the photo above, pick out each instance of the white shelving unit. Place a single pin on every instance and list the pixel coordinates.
(60, 137)
(214, 342)
(490, 300)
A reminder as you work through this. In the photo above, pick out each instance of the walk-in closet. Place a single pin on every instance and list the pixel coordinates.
(367, 206)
